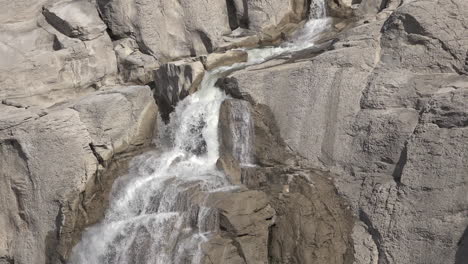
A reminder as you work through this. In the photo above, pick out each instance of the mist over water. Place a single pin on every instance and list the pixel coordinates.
(157, 213)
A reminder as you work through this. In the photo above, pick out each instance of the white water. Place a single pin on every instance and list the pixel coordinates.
(157, 213)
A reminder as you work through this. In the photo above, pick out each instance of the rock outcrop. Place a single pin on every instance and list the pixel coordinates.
(306, 219)
(75, 19)
(41, 65)
(171, 29)
(51, 157)
(360, 143)
(386, 108)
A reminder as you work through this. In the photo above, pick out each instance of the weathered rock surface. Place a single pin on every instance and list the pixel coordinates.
(268, 14)
(171, 29)
(168, 29)
(75, 19)
(41, 66)
(49, 158)
(386, 107)
(215, 60)
(308, 222)
(134, 66)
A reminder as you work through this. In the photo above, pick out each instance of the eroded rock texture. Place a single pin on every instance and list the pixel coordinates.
(376, 109)
(379, 108)
(49, 160)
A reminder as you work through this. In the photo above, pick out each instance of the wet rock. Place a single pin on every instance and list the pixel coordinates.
(174, 81)
(236, 130)
(230, 167)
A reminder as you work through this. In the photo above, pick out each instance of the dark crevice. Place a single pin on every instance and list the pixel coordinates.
(206, 41)
(376, 236)
(461, 256)
(52, 240)
(382, 6)
(96, 154)
(232, 14)
(244, 20)
(398, 171)
(236, 244)
(7, 260)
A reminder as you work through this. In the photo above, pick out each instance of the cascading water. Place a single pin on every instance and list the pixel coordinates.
(158, 213)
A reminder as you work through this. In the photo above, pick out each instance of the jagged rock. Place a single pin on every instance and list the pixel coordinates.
(261, 15)
(246, 216)
(134, 66)
(190, 28)
(385, 108)
(215, 60)
(221, 250)
(312, 223)
(174, 81)
(40, 66)
(76, 19)
(241, 42)
(230, 166)
(105, 112)
(49, 159)
(236, 130)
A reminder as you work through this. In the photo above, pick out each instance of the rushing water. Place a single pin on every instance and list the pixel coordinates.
(157, 213)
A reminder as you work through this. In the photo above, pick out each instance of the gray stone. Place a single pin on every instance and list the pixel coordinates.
(386, 109)
(268, 14)
(76, 19)
(40, 66)
(189, 28)
(246, 216)
(215, 60)
(230, 167)
(49, 160)
(134, 66)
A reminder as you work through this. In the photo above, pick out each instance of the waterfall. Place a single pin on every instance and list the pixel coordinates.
(157, 213)
(318, 9)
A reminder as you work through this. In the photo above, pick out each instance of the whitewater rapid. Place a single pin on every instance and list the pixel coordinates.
(157, 212)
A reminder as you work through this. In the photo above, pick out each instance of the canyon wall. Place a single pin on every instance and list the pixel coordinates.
(361, 144)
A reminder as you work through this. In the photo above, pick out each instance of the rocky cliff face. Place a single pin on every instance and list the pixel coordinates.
(360, 143)
(386, 107)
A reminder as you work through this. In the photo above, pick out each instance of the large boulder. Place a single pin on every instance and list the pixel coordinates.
(51, 157)
(41, 66)
(267, 14)
(76, 19)
(245, 217)
(168, 29)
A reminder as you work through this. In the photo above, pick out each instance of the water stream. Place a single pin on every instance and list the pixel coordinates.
(157, 213)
